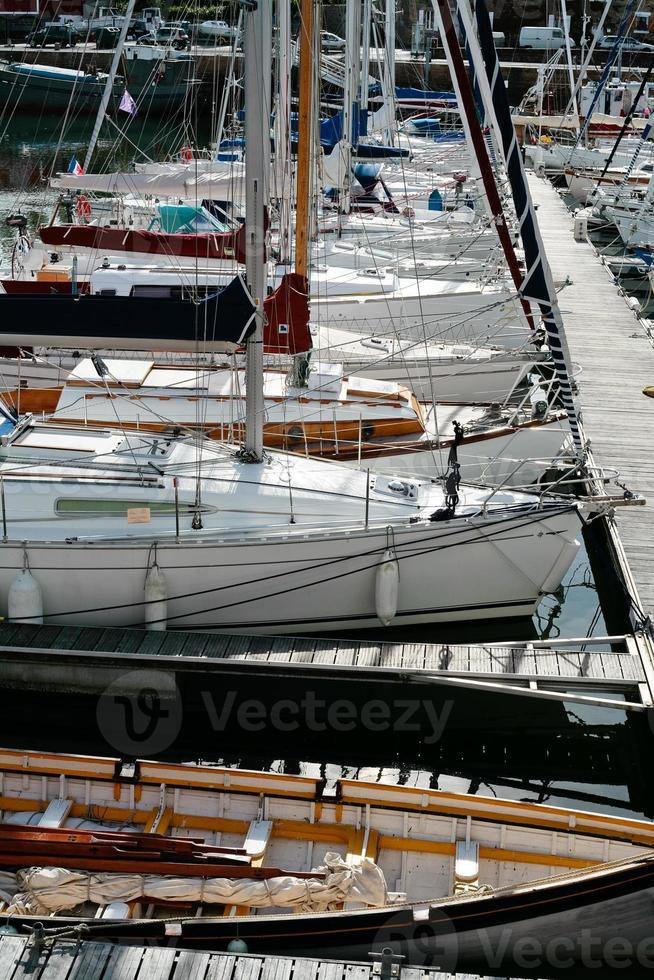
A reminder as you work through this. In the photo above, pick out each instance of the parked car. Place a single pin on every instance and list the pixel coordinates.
(217, 29)
(57, 34)
(168, 37)
(543, 38)
(628, 43)
(331, 42)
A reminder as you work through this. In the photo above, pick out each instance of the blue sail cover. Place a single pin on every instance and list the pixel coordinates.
(331, 129)
(407, 93)
(223, 320)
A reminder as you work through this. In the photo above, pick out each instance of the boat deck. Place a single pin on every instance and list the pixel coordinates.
(616, 358)
(20, 959)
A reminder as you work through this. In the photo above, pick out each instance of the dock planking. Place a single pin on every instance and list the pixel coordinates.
(66, 960)
(202, 651)
(617, 360)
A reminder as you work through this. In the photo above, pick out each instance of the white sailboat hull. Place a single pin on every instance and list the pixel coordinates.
(464, 380)
(295, 579)
(463, 314)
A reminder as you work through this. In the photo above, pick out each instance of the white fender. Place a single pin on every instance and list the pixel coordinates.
(25, 603)
(156, 599)
(387, 588)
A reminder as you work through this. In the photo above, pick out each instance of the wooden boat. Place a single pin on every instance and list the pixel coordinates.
(471, 883)
(335, 416)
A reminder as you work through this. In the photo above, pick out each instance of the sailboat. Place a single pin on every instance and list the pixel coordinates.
(263, 540)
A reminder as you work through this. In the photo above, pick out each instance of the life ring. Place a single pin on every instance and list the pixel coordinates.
(186, 154)
(83, 207)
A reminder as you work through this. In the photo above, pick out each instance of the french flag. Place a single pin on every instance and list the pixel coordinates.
(75, 167)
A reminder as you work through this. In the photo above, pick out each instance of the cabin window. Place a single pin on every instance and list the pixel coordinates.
(100, 507)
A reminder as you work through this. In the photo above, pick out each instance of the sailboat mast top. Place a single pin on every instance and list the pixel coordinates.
(305, 130)
(258, 66)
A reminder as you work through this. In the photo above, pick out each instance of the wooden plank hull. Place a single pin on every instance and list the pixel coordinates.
(596, 919)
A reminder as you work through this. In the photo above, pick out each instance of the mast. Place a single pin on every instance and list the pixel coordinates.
(257, 61)
(568, 55)
(586, 59)
(538, 283)
(109, 84)
(475, 136)
(365, 53)
(305, 130)
(389, 70)
(350, 98)
(282, 128)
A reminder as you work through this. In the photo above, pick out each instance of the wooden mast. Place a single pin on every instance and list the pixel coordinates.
(302, 217)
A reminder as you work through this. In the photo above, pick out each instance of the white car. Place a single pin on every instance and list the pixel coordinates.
(331, 42)
(628, 43)
(217, 28)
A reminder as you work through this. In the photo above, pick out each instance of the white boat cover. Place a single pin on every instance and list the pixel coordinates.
(184, 183)
(40, 891)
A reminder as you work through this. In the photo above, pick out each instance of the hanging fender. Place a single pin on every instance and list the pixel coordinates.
(387, 587)
(156, 599)
(25, 602)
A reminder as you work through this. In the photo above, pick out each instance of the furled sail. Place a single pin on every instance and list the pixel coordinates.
(46, 890)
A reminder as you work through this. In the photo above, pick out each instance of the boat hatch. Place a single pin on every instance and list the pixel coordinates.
(394, 487)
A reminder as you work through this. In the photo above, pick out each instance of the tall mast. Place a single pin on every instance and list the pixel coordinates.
(109, 84)
(475, 136)
(389, 70)
(257, 61)
(305, 131)
(350, 97)
(283, 129)
(568, 55)
(538, 283)
(365, 52)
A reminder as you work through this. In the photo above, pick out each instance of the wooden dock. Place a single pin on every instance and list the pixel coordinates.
(20, 959)
(616, 358)
(70, 658)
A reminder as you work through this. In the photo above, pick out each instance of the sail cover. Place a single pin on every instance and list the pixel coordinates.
(42, 891)
(220, 322)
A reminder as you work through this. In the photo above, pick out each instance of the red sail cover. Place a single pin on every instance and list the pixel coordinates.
(286, 329)
(204, 245)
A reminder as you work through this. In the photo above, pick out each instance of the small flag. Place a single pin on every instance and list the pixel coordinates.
(127, 103)
(75, 167)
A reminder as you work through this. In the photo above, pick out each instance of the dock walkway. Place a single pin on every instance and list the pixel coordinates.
(83, 659)
(21, 959)
(616, 358)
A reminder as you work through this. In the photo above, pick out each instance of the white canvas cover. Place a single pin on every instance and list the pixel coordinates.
(40, 891)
